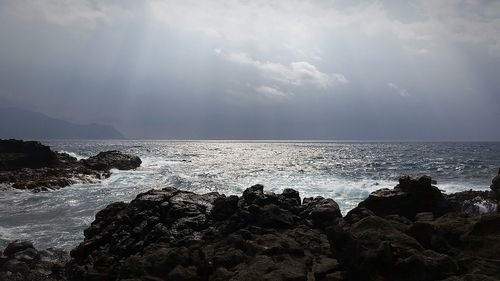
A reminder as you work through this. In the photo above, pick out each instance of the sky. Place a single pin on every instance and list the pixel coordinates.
(275, 69)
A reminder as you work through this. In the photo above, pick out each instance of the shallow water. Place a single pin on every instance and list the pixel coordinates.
(346, 172)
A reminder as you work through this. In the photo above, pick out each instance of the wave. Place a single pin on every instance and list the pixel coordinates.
(73, 154)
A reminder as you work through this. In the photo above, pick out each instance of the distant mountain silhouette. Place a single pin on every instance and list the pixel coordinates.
(24, 124)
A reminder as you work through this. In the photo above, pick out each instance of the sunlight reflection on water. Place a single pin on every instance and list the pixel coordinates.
(346, 172)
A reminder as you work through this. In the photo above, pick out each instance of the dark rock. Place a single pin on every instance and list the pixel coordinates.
(357, 214)
(471, 277)
(228, 258)
(181, 273)
(255, 195)
(487, 225)
(15, 266)
(495, 183)
(484, 239)
(495, 187)
(374, 248)
(17, 154)
(323, 266)
(291, 194)
(112, 160)
(321, 211)
(26, 255)
(171, 234)
(271, 215)
(473, 203)
(424, 216)
(33, 166)
(185, 236)
(24, 262)
(409, 197)
(17, 246)
(225, 207)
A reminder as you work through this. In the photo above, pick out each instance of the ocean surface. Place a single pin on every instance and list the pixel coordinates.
(344, 171)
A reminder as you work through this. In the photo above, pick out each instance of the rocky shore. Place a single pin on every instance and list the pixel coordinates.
(411, 232)
(33, 166)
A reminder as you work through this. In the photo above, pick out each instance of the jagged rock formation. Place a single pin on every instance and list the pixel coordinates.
(415, 233)
(176, 235)
(170, 234)
(31, 165)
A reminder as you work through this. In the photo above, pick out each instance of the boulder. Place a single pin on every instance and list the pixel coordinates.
(409, 197)
(24, 262)
(112, 160)
(17, 154)
(17, 246)
(321, 211)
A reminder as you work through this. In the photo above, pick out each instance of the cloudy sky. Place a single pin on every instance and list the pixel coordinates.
(282, 69)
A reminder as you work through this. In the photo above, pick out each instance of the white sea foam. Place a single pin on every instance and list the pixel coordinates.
(73, 154)
(345, 172)
(486, 207)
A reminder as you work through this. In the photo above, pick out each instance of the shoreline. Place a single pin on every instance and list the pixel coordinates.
(411, 232)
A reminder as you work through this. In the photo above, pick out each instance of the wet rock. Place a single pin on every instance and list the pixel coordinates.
(112, 160)
(321, 211)
(17, 246)
(170, 234)
(186, 236)
(474, 203)
(24, 262)
(255, 195)
(17, 154)
(409, 197)
(289, 193)
(33, 166)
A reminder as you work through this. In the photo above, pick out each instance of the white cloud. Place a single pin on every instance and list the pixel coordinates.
(295, 24)
(295, 73)
(401, 91)
(466, 21)
(71, 13)
(270, 91)
(290, 22)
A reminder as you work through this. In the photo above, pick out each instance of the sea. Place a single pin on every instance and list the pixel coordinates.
(344, 171)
